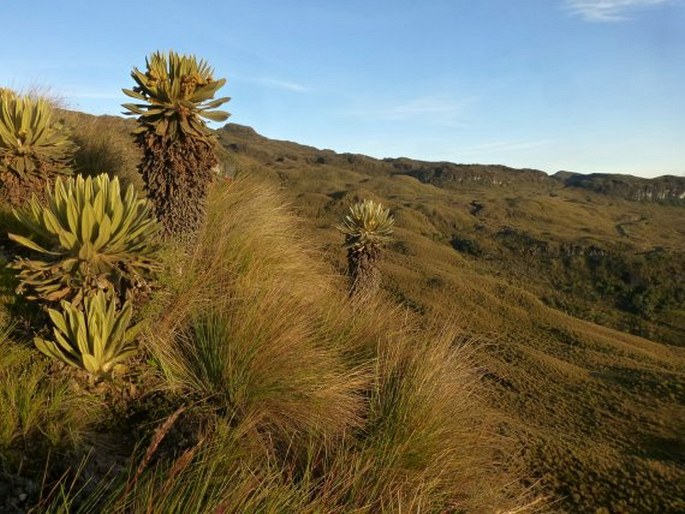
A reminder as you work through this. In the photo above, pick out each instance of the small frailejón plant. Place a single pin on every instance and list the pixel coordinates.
(90, 238)
(33, 149)
(95, 339)
(367, 227)
(176, 94)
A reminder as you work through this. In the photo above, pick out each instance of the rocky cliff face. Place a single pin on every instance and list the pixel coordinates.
(666, 189)
(447, 174)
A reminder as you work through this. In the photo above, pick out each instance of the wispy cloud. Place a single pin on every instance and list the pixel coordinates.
(437, 109)
(608, 10)
(110, 94)
(502, 146)
(284, 84)
(275, 83)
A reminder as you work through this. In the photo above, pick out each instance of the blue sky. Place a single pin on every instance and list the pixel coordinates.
(582, 85)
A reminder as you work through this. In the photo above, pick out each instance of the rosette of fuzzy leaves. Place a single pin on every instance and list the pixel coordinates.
(33, 148)
(178, 92)
(175, 96)
(367, 227)
(95, 339)
(89, 238)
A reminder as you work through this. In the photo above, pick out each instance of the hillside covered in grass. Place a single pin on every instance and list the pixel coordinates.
(575, 295)
(524, 352)
(591, 254)
(258, 388)
(191, 349)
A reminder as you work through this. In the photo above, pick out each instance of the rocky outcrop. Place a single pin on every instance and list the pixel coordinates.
(665, 189)
(447, 174)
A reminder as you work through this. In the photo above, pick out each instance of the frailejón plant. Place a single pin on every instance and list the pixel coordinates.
(89, 238)
(95, 339)
(33, 148)
(367, 227)
(175, 95)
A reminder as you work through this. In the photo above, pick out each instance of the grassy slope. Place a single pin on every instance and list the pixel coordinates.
(599, 412)
(604, 410)
(260, 388)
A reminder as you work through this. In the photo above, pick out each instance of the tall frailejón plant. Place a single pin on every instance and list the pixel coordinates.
(33, 148)
(176, 93)
(95, 338)
(88, 238)
(367, 227)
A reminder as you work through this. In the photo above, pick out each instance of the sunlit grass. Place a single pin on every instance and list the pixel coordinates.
(277, 394)
(588, 400)
(262, 389)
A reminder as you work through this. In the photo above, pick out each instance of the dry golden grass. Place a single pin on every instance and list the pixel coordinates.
(105, 146)
(311, 404)
(601, 410)
(369, 412)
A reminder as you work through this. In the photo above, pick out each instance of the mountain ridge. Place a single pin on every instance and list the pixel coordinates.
(663, 189)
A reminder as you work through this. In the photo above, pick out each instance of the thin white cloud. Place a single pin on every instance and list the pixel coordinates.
(275, 83)
(438, 109)
(608, 10)
(284, 84)
(95, 95)
(503, 146)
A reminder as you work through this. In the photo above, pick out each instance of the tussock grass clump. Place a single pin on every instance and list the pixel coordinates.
(39, 411)
(355, 408)
(428, 443)
(250, 239)
(254, 359)
(241, 327)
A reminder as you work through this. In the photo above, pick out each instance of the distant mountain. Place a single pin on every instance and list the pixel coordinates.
(665, 189)
(668, 188)
(447, 174)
